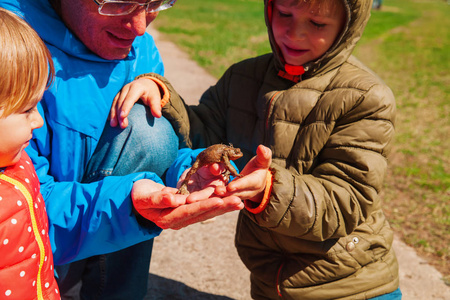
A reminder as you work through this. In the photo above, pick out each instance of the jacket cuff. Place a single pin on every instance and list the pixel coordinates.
(163, 89)
(250, 205)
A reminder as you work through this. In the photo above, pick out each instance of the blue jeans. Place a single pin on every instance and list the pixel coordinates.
(395, 295)
(147, 144)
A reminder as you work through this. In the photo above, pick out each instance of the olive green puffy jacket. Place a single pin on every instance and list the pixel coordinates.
(323, 234)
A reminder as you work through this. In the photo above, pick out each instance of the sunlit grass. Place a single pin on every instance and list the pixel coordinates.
(413, 57)
(216, 33)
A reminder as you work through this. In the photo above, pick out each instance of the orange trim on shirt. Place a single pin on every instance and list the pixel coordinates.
(249, 205)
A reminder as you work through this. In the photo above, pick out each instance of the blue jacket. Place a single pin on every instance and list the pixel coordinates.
(84, 219)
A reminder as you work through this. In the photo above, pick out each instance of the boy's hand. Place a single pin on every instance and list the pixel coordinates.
(204, 181)
(144, 89)
(167, 209)
(251, 186)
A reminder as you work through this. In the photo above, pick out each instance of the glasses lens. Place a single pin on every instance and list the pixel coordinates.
(158, 5)
(120, 8)
(117, 8)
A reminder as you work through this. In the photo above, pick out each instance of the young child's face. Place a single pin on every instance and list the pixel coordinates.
(15, 132)
(304, 32)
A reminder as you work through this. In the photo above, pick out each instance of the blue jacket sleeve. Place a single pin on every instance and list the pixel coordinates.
(90, 219)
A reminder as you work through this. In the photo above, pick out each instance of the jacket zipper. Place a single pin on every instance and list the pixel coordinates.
(268, 114)
(37, 235)
(267, 139)
(280, 269)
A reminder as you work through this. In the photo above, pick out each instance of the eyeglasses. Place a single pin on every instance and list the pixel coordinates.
(121, 8)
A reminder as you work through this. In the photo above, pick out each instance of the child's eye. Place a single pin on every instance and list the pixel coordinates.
(283, 14)
(318, 25)
(29, 111)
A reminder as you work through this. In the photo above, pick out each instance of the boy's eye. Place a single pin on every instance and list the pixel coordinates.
(284, 14)
(318, 25)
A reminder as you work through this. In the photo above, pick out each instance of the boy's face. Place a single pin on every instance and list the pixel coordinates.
(304, 32)
(15, 132)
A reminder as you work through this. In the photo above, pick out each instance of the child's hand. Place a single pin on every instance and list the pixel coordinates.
(203, 182)
(251, 186)
(144, 89)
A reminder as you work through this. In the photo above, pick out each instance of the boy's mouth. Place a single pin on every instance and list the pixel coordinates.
(294, 52)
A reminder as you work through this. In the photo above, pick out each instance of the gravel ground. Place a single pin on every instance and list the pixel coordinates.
(200, 261)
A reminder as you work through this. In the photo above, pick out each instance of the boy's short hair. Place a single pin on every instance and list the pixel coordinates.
(329, 4)
(26, 64)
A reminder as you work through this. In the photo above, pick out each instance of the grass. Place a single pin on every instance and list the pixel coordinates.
(407, 44)
(216, 33)
(413, 58)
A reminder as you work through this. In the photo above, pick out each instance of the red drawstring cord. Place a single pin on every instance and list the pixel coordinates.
(278, 282)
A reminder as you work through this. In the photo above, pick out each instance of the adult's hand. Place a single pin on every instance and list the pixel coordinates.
(169, 210)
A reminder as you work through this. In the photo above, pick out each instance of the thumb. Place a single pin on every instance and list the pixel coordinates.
(263, 156)
(215, 169)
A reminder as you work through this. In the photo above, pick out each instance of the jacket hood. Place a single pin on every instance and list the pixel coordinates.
(358, 14)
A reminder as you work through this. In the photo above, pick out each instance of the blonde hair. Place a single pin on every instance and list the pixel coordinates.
(26, 64)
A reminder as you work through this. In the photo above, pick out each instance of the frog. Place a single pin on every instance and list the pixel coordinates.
(217, 153)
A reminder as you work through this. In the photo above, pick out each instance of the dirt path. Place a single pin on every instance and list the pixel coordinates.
(200, 261)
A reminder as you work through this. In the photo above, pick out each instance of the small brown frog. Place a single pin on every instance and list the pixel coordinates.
(218, 153)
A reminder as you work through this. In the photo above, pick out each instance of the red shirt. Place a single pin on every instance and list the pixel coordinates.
(26, 260)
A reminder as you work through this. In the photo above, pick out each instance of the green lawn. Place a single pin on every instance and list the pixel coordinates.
(216, 33)
(413, 57)
(407, 43)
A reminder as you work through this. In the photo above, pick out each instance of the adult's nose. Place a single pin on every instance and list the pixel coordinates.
(138, 21)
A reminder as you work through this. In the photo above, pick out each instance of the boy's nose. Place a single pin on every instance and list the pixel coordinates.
(297, 31)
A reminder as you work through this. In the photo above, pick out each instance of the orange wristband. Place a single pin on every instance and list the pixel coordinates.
(162, 88)
(249, 205)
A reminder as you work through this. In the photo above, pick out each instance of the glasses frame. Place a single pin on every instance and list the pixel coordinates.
(168, 5)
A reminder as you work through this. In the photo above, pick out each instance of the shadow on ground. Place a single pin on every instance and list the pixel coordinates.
(160, 288)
